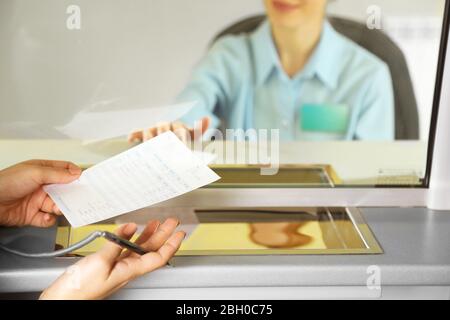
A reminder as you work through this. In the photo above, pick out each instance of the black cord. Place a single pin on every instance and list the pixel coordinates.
(63, 252)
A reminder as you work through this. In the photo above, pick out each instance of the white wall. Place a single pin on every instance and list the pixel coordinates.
(132, 53)
(135, 52)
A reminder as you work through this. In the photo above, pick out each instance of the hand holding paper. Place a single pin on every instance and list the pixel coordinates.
(152, 172)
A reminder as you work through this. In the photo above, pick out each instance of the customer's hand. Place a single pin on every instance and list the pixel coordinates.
(23, 202)
(183, 132)
(101, 274)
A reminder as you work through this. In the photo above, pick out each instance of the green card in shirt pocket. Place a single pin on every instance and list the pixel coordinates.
(324, 118)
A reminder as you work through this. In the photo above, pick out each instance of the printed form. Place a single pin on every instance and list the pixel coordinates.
(155, 171)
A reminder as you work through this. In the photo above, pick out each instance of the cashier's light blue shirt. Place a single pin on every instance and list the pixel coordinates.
(240, 84)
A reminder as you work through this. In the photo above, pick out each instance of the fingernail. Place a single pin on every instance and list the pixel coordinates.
(157, 224)
(75, 170)
(171, 220)
(130, 227)
(47, 217)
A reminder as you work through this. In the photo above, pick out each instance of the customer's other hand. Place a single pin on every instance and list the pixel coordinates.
(101, 274)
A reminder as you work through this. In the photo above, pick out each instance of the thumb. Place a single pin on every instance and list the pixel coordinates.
(50, 175)
(112, 251)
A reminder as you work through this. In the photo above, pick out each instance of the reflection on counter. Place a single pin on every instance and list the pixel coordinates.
(261, 231)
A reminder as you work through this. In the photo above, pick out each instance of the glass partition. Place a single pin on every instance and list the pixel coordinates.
(286, 93)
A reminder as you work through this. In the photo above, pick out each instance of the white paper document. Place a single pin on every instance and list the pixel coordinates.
(88, 125)
(157, 170)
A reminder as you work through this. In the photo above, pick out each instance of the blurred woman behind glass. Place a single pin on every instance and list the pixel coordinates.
(295, 70)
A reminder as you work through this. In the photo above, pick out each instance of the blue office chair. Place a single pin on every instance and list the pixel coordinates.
(381, 45)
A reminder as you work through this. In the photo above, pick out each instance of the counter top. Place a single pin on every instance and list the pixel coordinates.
(415, 243)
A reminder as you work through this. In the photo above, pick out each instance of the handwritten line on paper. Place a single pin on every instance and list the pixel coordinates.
(155, 171)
